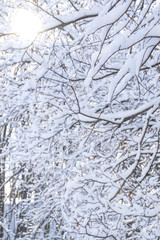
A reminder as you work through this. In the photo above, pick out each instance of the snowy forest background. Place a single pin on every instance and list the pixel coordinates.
(80, 121)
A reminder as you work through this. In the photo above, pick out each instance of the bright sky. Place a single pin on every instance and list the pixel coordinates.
(26, 24)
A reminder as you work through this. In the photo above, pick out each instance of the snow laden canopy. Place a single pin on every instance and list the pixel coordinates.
(80, 105)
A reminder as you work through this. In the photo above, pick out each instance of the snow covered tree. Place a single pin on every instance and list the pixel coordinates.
(83, 100)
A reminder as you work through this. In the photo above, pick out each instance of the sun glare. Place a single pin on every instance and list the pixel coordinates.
(26, 24)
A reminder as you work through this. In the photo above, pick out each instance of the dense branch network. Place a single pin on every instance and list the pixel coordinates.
(82, 100)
